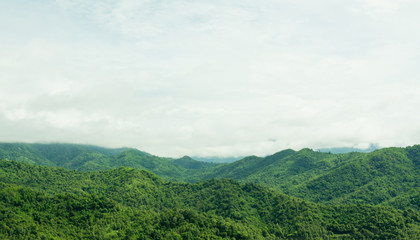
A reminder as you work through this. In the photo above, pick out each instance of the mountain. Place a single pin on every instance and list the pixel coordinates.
(379, 177)
(93, 158)
(189, 163)
(47, 202)
(217, 159)
(371, 148)
(388, 176)
(55, 154)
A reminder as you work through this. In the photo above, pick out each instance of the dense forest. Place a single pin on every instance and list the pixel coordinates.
(382, 177)
(64, 191)
(39, 202)
(93, 158)
(387, 176)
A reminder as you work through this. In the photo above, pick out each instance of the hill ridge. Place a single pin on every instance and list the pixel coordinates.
(119, 201)
(381, 177)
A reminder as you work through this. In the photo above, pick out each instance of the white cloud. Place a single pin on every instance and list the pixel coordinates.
(211, 77)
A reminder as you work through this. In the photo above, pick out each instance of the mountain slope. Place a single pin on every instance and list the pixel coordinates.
(368, 178)
(54, 154)
(93, 158)
(387, 176)
(31, 214)
(189, 163)
(123, 201)
(374, 178)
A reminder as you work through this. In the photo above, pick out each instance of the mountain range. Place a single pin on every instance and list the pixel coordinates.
(380, 177)
(302, 194)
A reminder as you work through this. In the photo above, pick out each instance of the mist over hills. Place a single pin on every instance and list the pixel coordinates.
(217, 159)
(371, 148)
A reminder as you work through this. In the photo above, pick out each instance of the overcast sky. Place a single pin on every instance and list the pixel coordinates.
(211, 77)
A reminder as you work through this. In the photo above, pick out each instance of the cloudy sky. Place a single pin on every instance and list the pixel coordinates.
(211, 77)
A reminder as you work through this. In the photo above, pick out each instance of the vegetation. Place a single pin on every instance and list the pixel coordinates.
(29, 214)
(46, 203)
(384, 177)
(93, 158)
(96, 193)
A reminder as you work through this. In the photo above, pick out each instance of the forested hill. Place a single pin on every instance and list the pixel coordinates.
(46, 203)
(387, 176)
(93, 158)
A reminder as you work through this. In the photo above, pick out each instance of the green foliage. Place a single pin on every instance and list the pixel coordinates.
(92, 158)
(383, 177)
(358, 178)
(124, 203)
(29, 214)
(104, 197)
(189, 163)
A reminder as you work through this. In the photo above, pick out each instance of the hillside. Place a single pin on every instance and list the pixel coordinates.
(122, 203)
(52, 154)
(387, 176)
(93, 158)
(379, 177)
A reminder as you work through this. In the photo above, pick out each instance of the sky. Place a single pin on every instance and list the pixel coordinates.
(211, 77)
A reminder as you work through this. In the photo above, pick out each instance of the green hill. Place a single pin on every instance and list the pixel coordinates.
(93, 158)
(189, 163)
(44, 202)
(367, 178)
(55, 154)
(387, 176)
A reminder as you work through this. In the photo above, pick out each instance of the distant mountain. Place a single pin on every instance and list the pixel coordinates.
(189, 163)
(371, 148)
(216, 159)
(55, 203)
